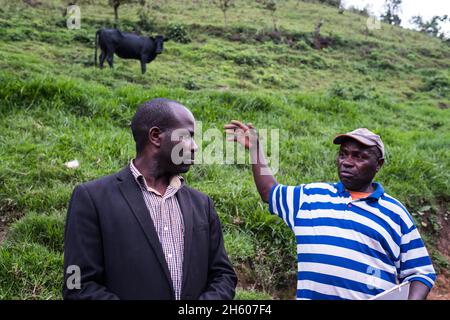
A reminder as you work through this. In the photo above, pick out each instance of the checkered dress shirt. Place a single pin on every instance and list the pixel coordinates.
(168, 220)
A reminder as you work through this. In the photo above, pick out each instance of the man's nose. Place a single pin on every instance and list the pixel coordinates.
(194, 146)
(347, 162)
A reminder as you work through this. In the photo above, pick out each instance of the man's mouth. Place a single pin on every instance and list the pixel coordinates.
(346, 174)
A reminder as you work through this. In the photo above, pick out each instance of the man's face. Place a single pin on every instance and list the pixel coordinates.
(357, 164)
(177, 145)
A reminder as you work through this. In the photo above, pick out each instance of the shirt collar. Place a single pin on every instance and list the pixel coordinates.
(376, 195)
(176, 181)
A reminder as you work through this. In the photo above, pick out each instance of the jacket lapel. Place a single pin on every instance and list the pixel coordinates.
(184, 200)
(133, 195)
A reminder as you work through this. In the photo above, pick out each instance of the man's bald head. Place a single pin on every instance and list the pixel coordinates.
(162, 113)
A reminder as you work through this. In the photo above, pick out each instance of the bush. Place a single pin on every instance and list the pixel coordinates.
(177, 32)
(439, 83)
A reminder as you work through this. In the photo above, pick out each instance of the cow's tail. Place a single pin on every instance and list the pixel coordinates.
(96, 45)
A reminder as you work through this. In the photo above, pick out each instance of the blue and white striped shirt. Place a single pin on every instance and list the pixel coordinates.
(350, 249)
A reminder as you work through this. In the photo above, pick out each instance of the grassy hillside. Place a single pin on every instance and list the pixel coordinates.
(56, 107)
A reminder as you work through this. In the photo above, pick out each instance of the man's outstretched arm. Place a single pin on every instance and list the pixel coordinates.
(246, 135)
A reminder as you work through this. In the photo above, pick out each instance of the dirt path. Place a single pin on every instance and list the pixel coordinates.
(441, 289)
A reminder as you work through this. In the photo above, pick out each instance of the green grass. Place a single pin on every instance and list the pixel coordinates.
(56, 107)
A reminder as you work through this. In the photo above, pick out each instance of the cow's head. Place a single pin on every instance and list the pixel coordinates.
(159, 41)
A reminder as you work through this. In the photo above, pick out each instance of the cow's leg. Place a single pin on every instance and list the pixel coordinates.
(143, 66)
(109, 58)
(102, 59)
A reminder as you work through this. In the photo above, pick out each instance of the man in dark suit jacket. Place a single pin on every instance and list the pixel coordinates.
(142, 233)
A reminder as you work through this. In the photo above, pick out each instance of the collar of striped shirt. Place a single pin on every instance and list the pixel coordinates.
(375, 196)
(176, 181)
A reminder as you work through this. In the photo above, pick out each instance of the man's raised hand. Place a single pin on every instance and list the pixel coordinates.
(245, 134)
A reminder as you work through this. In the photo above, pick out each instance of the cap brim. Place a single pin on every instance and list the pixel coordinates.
(342, 137)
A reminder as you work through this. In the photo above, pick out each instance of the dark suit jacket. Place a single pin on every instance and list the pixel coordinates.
(111, 237)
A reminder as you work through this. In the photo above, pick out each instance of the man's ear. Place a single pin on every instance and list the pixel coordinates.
(154, 136)
(380, 164)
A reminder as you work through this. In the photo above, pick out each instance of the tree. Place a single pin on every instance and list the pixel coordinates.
(116, 4)
(432, 26)
(224, 5)
(270, 5)
(392, 10)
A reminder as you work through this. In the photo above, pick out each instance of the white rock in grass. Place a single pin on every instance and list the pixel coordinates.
(72, 164)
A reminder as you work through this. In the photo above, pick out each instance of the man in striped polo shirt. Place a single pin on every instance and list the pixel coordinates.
(354, 241)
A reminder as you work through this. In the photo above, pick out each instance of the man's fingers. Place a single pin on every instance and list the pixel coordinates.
(230, 126)
(240, 124)
(237, 131)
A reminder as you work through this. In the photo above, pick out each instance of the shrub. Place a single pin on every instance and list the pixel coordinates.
(439, 82)
(177, 32)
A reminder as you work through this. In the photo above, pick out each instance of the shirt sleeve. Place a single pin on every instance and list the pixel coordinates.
(284, 201)
(415, 263)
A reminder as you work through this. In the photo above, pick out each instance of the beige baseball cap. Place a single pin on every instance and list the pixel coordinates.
(363, 136)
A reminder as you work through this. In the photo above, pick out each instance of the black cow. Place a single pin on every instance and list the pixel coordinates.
(127, 46)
